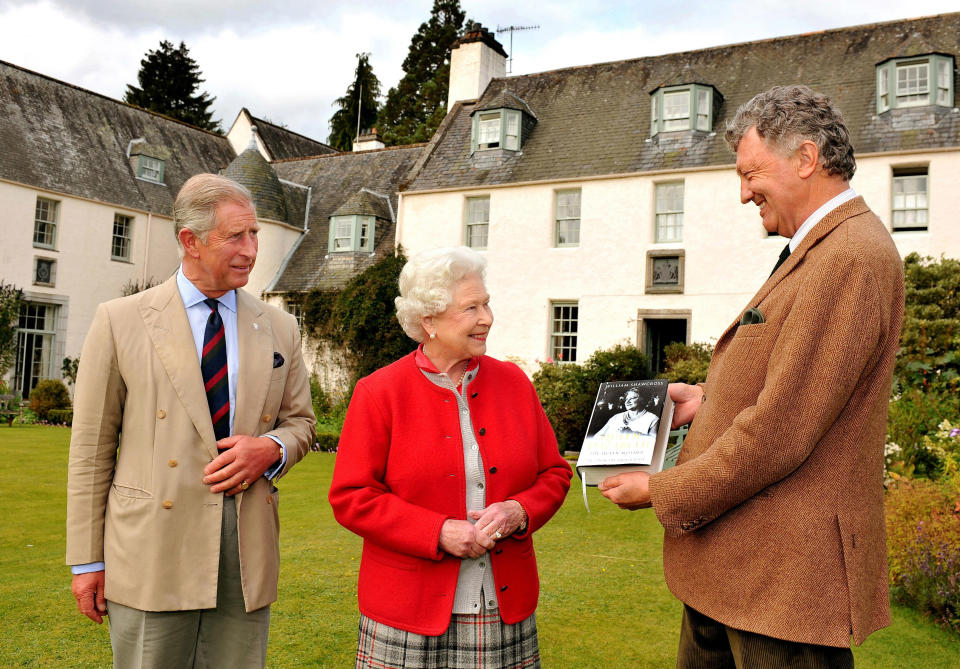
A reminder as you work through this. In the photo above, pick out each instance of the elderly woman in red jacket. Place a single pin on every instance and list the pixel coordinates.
(446, 467)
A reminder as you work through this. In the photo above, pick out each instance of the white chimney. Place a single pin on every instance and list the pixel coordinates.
(475, 59)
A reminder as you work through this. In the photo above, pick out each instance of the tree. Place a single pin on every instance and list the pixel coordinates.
(10, 299)
(415, 107)
(169, 79)
(362, 94)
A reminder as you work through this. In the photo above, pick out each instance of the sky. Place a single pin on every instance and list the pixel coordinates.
(288, 61)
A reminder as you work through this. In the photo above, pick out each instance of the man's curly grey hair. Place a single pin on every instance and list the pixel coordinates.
(786, 116)
(427, 282)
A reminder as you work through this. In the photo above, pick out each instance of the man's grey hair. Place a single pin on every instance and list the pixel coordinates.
(786, 116)
(427, 282)
(196, 205)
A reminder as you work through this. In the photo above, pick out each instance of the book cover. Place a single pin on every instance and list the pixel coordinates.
(629, 430)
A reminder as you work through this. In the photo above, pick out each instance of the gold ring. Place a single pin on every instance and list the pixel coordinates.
(244, 485)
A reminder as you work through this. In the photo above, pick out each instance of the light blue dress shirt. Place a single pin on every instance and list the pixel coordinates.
(197, 315)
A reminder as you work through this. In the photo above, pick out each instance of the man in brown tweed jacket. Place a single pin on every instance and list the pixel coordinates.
(773, 516)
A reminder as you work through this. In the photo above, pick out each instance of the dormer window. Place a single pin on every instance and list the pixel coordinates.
(351, 233)
(150, 169)
(688, 107)
(496, 128)
(917, 81)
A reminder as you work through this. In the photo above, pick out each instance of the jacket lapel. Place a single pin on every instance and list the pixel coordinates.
(848, 209)
(166, 323)
(255, 344)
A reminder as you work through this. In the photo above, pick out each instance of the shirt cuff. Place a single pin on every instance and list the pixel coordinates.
(86, 568)
(276, 469)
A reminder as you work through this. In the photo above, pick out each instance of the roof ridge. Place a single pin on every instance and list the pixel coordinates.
(109, 99)
(288, 130)
(718, 47)
(418, 145)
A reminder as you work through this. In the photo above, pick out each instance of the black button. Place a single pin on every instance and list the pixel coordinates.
(493, 470)
(498, 551)
(503, 588)
(474, 395)
(483, 431)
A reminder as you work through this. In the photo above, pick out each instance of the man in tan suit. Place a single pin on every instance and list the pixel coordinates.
(191, 401)
(773, 516)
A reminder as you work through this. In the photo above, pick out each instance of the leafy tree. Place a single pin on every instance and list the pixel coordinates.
(10, 299)
(415, 107)
(361, 318)
(169, 79)
(363, 93)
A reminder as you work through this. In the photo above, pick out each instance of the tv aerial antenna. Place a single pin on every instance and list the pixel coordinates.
(511, 30)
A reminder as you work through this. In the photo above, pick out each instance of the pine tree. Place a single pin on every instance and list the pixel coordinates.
(365, 89)
(415, 107)
(169, 79)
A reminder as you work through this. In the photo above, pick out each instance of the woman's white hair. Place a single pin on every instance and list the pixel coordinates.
(427, 282)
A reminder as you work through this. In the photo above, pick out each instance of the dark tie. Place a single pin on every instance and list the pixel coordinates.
(213, 365)
(784, 254)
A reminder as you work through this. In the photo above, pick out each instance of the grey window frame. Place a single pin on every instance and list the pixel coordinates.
(507, 119)
(122, 241)
(904, 175)
(46, 228)
(145, 171)
(356, 223)
(572, 223)
(52, 279)
(661, 216)
(562, 339)
(695, 120)
(939, 91)
(474, 230)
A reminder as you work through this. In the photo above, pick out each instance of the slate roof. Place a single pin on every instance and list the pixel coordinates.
(336, 179)
(595, 120)
(367, 203)
(66, 139)
(252, 170)
(283, 143)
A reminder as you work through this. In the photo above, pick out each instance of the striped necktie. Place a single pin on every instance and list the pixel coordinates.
(784, 254)
(213, 365)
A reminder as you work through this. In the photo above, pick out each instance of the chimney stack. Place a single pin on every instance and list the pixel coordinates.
(475, 59)
(367, 141)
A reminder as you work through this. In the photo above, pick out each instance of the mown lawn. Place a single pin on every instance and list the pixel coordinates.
(603, 602)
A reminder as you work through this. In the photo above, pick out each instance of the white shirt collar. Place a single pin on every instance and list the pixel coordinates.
(818, 215)
(191, 295)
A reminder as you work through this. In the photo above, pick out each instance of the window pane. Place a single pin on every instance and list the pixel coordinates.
(564, 331)
(120, 244)
(45, 224)
(512, 133)
(489, 130)
(567, 217)
(703, 109)
(478, 216)
(912, 83)
(669, 212)
(909, 201)
(944, 77)
(676, 110)
(151, 168)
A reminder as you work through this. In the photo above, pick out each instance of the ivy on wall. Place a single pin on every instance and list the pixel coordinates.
(361, 318)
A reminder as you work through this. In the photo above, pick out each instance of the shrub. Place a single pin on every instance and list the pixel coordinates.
(923, 546)
(60, 416)
(327, 442)
(913, 415)
(567, 391)
(47, 395)
(686, 364)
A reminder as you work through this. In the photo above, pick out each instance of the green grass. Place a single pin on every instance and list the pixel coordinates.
(603, 600)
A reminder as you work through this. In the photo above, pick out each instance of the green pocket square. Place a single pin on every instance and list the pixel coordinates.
(752, 316)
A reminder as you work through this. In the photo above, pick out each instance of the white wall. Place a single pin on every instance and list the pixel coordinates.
(727, 252)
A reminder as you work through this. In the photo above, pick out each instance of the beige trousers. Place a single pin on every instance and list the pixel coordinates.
(226, 636)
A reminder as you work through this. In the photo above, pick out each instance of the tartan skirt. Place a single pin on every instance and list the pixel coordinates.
(473, 641)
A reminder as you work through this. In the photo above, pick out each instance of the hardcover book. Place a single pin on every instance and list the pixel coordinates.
(629, 430)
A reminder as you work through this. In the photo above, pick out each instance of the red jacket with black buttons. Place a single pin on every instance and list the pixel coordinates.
(399, 475)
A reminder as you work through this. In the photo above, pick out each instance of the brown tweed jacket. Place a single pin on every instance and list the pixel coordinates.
(773, 516)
